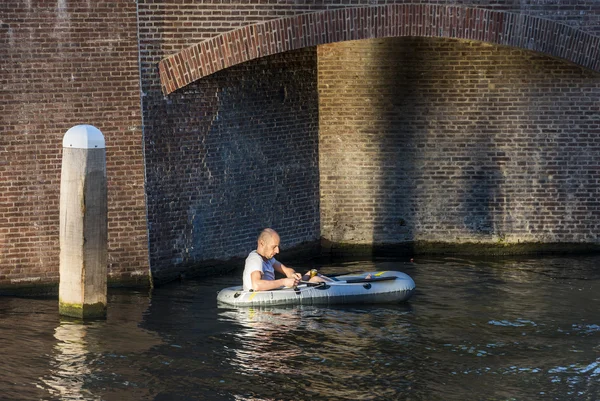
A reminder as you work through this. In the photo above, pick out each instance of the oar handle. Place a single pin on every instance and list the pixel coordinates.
(369, 280)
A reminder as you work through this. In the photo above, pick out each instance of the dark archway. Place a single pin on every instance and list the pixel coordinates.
(354, 23)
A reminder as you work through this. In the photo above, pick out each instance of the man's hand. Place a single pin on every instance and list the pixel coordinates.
(290, 273)
(291, 281)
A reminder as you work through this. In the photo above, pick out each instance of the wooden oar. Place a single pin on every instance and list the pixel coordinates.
(370, 280)
(351, 281)
(345, 274)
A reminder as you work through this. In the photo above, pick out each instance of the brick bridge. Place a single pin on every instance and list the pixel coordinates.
(443, 124)
(395, 20)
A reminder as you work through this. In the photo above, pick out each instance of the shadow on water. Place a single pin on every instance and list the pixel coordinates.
(522, 329)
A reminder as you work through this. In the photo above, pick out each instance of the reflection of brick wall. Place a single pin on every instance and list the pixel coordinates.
(63, 66)
(230, 155)
(441, 140)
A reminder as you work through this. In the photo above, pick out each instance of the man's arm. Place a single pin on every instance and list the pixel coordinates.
(258, 284)
(286, 271)
(289, 272)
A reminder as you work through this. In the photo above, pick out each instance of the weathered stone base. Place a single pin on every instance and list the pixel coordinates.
(83, 311)
(33, 290)
(130, 281)
(50, 289)
(314, 250)
(446, 248)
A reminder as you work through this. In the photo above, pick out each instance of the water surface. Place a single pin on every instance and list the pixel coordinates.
(512, 329)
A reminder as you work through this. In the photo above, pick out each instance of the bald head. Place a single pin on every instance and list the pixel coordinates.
(267, 234)
(268, 243)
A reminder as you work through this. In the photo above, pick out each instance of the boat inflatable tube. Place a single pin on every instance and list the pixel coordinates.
(380, 287)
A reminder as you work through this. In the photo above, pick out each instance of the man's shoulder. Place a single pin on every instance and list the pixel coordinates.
(254, 257)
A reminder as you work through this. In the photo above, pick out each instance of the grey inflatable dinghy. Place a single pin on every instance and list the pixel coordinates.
(368, 287)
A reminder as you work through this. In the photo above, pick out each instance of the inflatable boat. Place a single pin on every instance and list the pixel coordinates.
(368, 287)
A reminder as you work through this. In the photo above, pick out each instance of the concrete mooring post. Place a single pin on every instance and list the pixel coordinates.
(83, 224)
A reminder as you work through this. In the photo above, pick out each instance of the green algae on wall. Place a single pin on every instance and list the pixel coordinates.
(83, 311)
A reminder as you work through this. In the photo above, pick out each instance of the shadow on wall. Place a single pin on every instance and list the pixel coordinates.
(448, 115)
(229, 155)
(438, 140)
(367, 142)
(508, 155)
(396, 72)
(481, 205)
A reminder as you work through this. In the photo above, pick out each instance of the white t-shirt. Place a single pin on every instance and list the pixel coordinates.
(255, 262)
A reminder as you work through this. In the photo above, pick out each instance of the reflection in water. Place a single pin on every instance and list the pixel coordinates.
(500, 329)
(69, 368)
(345, 346)
(92, 360)
(260, 349)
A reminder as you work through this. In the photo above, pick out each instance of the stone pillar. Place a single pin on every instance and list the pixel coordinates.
(83, 224)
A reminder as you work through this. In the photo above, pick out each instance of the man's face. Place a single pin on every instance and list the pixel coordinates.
(271, 246)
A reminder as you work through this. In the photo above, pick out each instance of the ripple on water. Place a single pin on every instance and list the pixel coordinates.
(523, 329)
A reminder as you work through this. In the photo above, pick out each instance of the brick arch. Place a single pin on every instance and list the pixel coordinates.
(353, 23)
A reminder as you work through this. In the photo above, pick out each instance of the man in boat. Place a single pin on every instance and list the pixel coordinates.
(261, 265)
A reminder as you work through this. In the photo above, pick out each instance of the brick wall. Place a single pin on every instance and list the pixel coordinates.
(63, 64)
(439, 140)
(230, 155)
(378, 21)
(169, 28)
(181, 23)
(67, 63)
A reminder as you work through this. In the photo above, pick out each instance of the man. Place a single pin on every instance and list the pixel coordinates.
(261, 265)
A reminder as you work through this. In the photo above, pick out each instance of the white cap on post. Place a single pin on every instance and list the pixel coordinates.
(84, 137)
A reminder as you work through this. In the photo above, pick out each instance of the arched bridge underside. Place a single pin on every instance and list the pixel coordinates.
(280, 35)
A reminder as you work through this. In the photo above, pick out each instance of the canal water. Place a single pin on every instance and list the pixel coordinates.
(510, 329)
